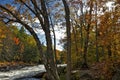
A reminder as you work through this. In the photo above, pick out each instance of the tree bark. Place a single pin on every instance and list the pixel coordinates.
(50, 55)
(97, 54)
(68, 29)
(85, 65)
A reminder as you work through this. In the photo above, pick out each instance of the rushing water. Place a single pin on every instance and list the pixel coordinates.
(24, 73)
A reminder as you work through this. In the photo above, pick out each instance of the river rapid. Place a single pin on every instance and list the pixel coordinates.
(25, 73)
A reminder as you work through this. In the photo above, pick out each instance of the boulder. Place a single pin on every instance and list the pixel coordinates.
(40, 75)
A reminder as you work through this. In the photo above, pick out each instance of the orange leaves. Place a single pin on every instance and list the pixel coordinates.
(16, 40)
(20, 44)
(2, 33)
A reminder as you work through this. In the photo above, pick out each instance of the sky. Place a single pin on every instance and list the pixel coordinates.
(60, 34)
(5, 1)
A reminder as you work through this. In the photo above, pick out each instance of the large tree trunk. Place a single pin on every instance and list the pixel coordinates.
(50, 54)
(47, 61)
(68, 28)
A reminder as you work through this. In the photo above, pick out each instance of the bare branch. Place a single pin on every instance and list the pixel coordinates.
(37, 9)
(28, 7)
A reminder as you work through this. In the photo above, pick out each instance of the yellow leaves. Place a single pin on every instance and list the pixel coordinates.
(21, 48)
(3, 33)
(80, 49)
(17, 57)
(3, 36)
(1, 45)
(3, 28)
(0, 30)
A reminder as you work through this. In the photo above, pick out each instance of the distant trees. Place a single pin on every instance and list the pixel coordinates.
(27, 47)
(94, 31)
(16, 45)
(6, 43)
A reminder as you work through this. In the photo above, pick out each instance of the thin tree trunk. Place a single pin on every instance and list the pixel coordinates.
(68, 28)
(75, 39)
(52, 25)
(97, 54)
(82, 22)
(85, 65)
(76, 46)
(109, 51)
(54, 42)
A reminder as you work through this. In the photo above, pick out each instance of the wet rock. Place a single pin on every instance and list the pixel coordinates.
(4, 69)
(40, 75)
(61, 70)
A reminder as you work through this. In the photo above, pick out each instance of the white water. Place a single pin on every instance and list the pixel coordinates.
(24, 72)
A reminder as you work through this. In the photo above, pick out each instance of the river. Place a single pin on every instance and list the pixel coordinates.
(24, 73)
